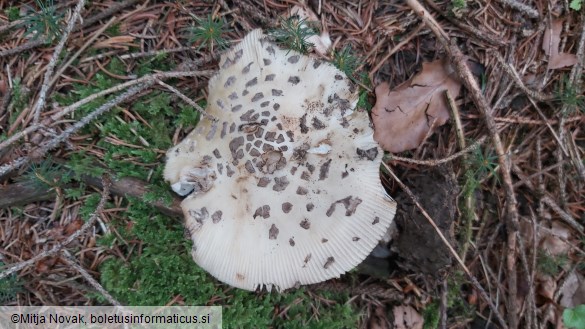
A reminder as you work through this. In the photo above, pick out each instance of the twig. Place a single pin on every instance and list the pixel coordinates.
(141, 54)
(96, 285)
(23, 193)
(151, 78)
(402, 42)
(514, 75)
(576, 158)
(529, 11)
(469, 214)
(443, 304)
(42, 150)
(57, 247)
(188, 100)
(53, 62)
(529, 280)
(549, 201)
(480, 34)
(564, 216)
(82, 49)
(29, 45)
(561, 177)
(117, 6)
(577, 71)
(452, 251)
(433, 163)
(505, 164)
(68, 109)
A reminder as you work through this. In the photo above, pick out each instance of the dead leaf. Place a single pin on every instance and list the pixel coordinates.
(561, 60)
(46, 264)
(379, 320)
(550, 45)
(551, 240)
(573, 290)
(406, 317)
(546, 287)
(3, 87)
(404, 116)
(321, 43)
(72, 227)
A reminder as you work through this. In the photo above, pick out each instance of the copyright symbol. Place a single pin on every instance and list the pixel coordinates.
(14, 318)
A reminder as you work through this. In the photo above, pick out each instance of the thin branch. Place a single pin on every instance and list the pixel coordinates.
(564, 216)
(511, 71)
(529, 11)
(433, 163)
(452, 251)
(96, 285)
(187, 100)
(53, 62)
(29, 45)
(81, 50)
(470, 83)
(57, 247)
(68, 109)
(42, 150)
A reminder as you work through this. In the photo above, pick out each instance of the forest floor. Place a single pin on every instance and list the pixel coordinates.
(86, 117)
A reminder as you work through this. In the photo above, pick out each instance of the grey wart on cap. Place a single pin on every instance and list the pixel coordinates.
(282, 176)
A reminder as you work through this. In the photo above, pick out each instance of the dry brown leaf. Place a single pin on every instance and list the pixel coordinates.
(573, 290)
(406, 317)
(550, 45)
(379, 320)
(3, 87)
(72, 227)
(551, 240)
(404, 116)
(546, 287)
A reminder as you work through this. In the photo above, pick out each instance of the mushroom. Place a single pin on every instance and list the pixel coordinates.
(282, 174)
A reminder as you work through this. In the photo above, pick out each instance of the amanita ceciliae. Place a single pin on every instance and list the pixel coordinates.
(282, 175)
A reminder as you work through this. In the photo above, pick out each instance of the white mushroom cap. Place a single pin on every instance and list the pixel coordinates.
(285, 182)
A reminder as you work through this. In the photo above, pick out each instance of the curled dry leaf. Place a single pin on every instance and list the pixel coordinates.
(546, 287)
(406, 317)
(573, 290)
(321, 43)
(552, 241)
(404, 116)
(550, 45)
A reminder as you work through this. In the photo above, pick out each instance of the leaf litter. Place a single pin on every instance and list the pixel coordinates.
(550, 45)
(404, 116)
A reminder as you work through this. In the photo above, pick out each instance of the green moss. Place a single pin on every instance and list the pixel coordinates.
(459, 4)
(550, 265)
(431, 315)
(164, 270)
(9, 288)
(13, 13)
